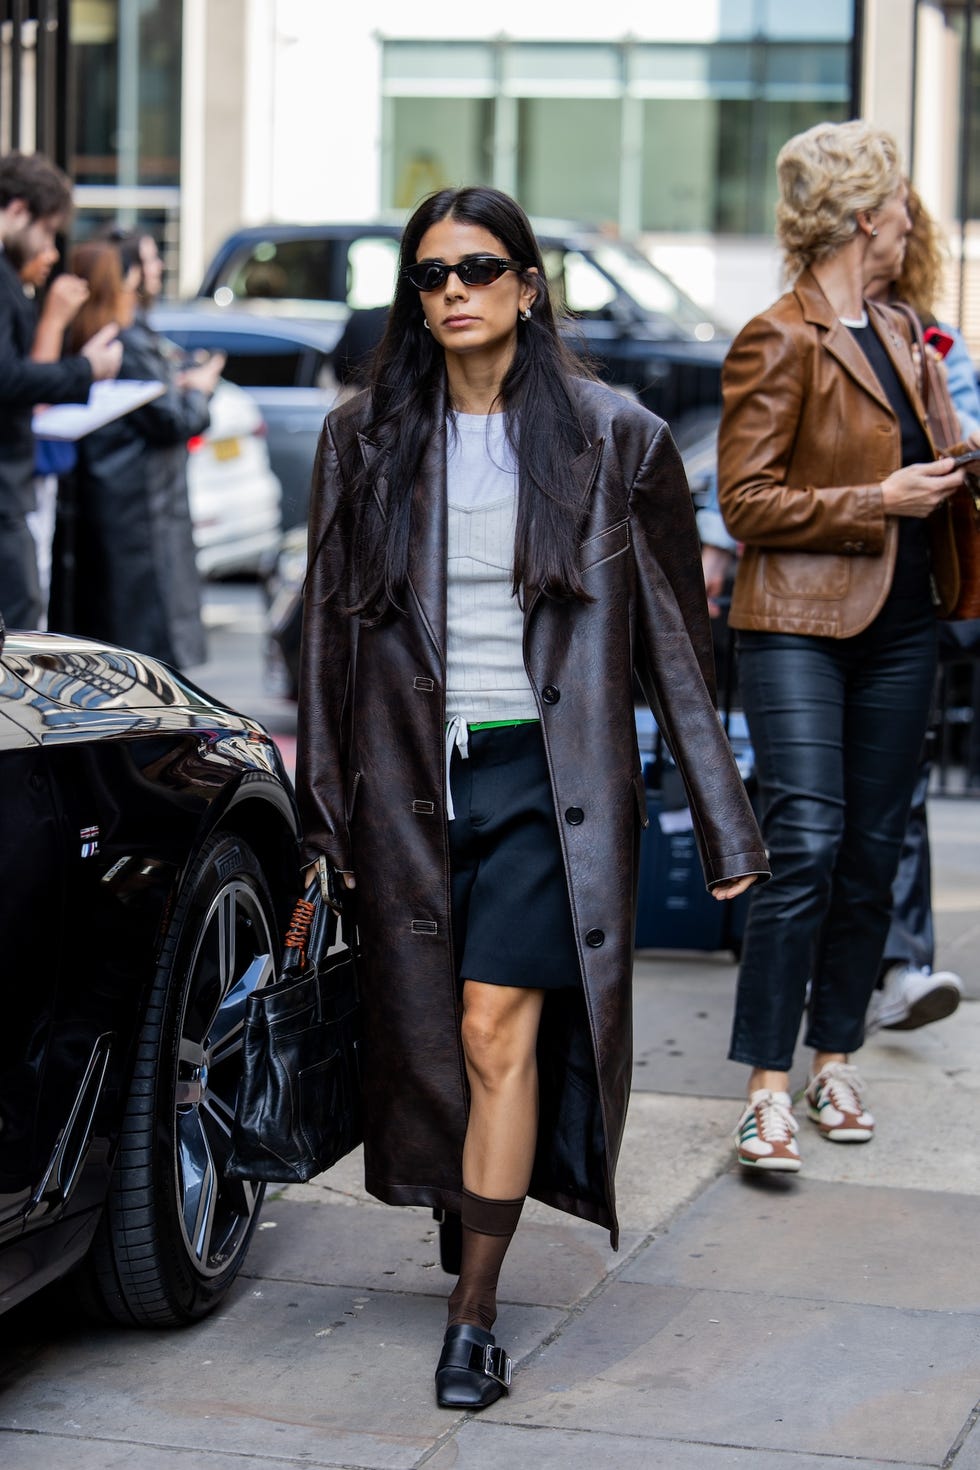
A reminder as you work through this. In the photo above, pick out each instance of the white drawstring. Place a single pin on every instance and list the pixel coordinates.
(458, 735)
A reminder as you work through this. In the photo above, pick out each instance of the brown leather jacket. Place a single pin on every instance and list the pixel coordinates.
(371, 789)
(806, 438)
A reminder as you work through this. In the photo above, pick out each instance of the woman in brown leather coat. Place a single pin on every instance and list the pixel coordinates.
(828, 474)
(496, 546)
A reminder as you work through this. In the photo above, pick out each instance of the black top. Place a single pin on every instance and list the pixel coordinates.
(911, 577)
(24, 383)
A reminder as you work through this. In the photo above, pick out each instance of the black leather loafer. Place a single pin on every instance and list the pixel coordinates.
(472, 1371)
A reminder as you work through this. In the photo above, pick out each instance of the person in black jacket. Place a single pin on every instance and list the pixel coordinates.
(135, 575)
(35, 204)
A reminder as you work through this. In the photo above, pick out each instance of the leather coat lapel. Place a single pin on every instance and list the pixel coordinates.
(838, 340)
(584, 469)
(370, 454)
(428, 544)
(840, 344)
(898, 350)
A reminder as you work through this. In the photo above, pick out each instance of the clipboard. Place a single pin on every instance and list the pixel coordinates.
(107, 400)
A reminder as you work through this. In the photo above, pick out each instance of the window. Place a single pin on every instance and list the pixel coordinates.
(371, 266)
(710, 140)
(576, 285)
(750, 136)
(568, 158)
(282, 269)
(125, 61)
(263, 362)
(437, 143)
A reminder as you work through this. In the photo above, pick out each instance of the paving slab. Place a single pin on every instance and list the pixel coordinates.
(968, 1450)
(49, 1452)
(326, 1376)
(924, 1090)
(682, 1021)
(552, 1263)
(757, 1371)
(672, 1147)
(479, 1445)
(823, 1242)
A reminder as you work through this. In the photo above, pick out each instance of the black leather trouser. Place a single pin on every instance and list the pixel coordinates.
(837, 726)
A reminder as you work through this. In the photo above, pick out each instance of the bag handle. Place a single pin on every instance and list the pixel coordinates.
(312, 930)
(940, 411)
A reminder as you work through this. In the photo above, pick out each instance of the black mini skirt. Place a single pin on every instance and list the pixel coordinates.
(512, 921)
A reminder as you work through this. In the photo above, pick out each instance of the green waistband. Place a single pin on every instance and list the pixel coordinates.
(499, 724)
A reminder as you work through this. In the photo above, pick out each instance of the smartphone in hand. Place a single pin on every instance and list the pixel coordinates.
(971, 456)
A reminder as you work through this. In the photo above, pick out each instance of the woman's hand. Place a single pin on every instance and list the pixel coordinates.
(204, 375)
(715, 565)
(311, 872)
(919, 488)
(732, 887)
(104, 352)
(65, 298)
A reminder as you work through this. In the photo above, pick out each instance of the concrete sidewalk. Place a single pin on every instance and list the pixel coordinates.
(813, 1323)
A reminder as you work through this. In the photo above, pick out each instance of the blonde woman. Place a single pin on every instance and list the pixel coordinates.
(829, 476)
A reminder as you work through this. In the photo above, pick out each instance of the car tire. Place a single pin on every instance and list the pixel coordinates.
(175, 1231)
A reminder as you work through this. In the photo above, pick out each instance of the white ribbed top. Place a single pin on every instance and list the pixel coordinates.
(485, 674)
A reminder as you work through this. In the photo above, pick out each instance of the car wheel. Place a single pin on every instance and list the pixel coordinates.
(175, 1231)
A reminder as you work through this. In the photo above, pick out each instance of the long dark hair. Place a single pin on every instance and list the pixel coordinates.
(407, 389)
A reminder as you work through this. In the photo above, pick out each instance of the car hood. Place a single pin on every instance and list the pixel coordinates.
(58, 690)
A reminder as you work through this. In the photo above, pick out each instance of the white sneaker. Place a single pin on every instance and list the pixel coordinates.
(912, 997)
(764, 1134)
(835, 1103)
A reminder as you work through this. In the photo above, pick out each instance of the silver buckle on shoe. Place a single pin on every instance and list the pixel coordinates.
(497, 1365)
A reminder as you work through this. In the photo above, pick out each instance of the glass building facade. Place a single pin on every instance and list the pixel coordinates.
(674, 137)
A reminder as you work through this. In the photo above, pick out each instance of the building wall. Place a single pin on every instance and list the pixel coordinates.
(288, 108)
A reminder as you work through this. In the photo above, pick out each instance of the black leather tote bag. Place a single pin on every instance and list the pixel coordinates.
(299, 1102)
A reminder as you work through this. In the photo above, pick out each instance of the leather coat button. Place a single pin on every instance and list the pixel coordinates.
(550, 694)
(595, 938)
(574, 815)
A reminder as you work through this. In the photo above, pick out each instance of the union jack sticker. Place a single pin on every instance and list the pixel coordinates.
(89, 837)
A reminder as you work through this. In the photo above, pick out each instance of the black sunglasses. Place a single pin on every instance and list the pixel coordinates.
(475, 270)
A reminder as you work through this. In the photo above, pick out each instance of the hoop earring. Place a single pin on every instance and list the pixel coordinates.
(425, 323)
(526, 314)
(874, 234)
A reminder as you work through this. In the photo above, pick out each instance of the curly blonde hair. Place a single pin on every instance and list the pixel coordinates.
(826, 176)
(924, 266)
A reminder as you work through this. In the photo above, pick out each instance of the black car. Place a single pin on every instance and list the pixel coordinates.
(148, 868)
(639, 330)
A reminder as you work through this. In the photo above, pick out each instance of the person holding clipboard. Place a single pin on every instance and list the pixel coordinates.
(35, 204)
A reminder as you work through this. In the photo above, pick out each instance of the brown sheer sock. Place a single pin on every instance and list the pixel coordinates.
(488, 1228)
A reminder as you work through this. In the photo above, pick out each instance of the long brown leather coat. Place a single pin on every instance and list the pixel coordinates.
(371, 781)
(807, 436)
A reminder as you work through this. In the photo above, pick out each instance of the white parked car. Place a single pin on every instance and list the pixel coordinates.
(234, 495)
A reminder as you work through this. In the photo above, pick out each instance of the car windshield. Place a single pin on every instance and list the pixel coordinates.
(651, 289)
